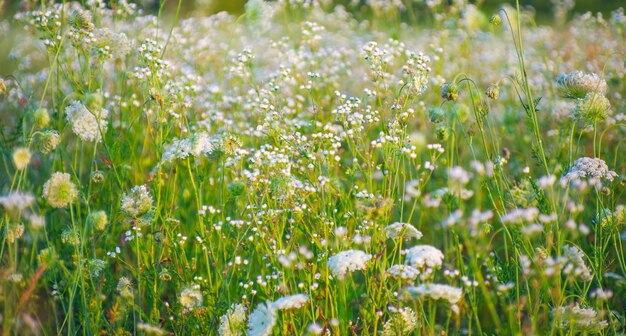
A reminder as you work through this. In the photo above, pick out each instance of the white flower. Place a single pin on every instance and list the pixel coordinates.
(16, 201)
(191, 297)
(421, 256)
(402, 230)
(519, 216)
(576, 263)
(291, 302)
(86, 124)
(437, 292)
(196, 145)
(262, 320)
(137, 202)
(402, 322)
(404, 272)
(346, 262)
(21, 158)
(589, 168)
(150, 329)
(232, 322)
(577, 84)
(578, 319)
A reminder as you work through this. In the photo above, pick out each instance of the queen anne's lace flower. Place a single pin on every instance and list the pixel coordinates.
(402, 230)
(402, 322)
(404, 272)
(589, 168)
(591, 108)
(85, 123)
(291, 302)
(346, 262)
(262, 320)
(191, 297)
(195, 145)
(137, 202)
(421, 256)
(577, 84)
(231, 323)
(579, 319)
(576, 265)
(437, 292)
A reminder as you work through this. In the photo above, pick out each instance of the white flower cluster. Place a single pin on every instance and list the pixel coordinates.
(438, 292)
(232, 322)
(401, 230)
(589, 168)
(519, 216)
(16, 202)
(402, 322)
(571, 264)
(191, 297)
(577, 84)
(404, 272)
(262, 320)
(346, 262)
(296, 301)
(137, 202)
(576, 265)
(579, 319)
(85, 123)
(421, 256)
(195, 145)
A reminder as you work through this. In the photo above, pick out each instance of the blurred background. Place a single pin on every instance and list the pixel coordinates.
(544, 8)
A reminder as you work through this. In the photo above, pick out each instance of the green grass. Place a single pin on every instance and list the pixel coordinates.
(222, 161)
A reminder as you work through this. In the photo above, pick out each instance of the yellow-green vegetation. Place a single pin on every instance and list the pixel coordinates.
(434, 169)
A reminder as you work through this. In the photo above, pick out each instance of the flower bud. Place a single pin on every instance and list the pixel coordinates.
(449, 91)
(21, 158)
(81, 20)
(97, 177)
(493, 91)
(48, 141)
(495, 20)
(41, 118)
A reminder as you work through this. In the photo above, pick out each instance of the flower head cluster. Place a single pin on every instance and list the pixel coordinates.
(421, 256)
(16, 202)
(399, 230)
(586, 168)
(576, 265)
(21, 158)
(402, 322)
(404, 272)
(591, 108)
(579, 319)
(296, 301)
(438, 292)
(87, 124)
(578, 84)
(191, 297)
(262, 320)
(195, 145)
(137, 202)
(346, 262)
(232, 323)
(59, 190)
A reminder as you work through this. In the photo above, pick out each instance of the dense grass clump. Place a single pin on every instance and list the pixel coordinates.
(302, 170)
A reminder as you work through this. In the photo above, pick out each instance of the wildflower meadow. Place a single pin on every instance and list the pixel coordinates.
(312, 167)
